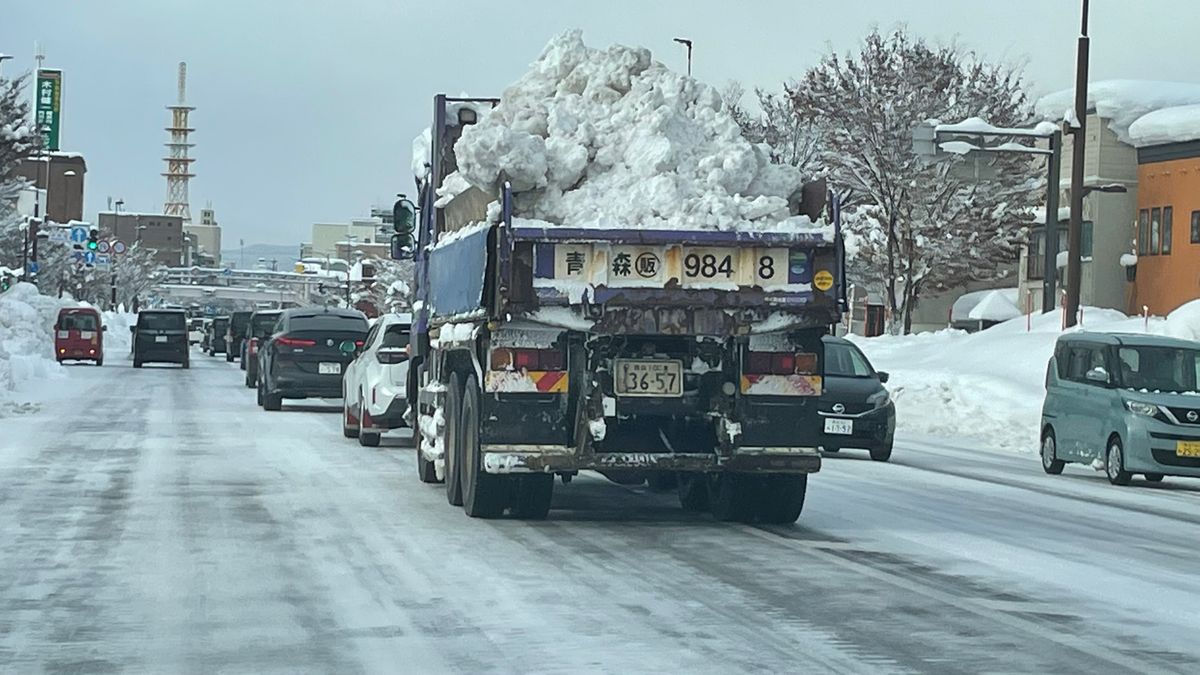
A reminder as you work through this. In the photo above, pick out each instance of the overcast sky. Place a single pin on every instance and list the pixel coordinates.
(306, 109)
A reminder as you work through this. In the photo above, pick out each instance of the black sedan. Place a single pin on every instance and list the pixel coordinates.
(857, 411)
(308, 353)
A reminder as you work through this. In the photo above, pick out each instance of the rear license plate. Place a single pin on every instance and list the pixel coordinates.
(326, 368)
(649, 378)
(160, 338)
(1187, 448)
(839, 427)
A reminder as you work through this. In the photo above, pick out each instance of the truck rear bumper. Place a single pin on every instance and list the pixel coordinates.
(505, 459)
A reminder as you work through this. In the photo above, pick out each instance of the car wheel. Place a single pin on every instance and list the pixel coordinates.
(1114, 464)
(367, 439)
(880, 454)
(99, 362)
(186, 364)
(1051, 464)
(259, 393)
(228, 357)
(1154, 477)
(137, 363)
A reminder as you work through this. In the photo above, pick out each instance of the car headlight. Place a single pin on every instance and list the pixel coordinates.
(879, 399)
(1141, 408)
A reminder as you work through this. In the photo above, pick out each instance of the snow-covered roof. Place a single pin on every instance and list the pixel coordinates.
(1121, 102)
(1169, 125)
(987, 305)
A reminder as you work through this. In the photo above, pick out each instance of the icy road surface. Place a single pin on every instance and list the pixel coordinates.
(155, 520)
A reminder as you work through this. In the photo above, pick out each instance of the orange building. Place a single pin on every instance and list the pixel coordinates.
(1168, 227)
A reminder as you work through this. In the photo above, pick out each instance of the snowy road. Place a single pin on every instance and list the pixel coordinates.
(155, 520)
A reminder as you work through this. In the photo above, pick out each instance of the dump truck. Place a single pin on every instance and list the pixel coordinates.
(685, 358)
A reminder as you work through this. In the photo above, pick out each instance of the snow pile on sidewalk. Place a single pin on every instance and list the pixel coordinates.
(611, 138)
(26, 340)
(987, 387)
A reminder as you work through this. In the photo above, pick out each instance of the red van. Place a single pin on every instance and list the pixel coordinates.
(79, 335)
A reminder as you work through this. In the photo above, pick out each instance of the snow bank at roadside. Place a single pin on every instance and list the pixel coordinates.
(611, 138)
(988, 386)
(26, 340)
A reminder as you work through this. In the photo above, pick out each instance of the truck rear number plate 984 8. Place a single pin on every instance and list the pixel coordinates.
(649, 378)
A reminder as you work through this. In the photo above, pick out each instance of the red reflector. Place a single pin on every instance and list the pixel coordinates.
(295, 342)
(525, 359)
(359, 343)
(253, 345)
(783, 364)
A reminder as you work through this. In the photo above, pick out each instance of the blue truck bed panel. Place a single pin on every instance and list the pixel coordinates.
(456, 275)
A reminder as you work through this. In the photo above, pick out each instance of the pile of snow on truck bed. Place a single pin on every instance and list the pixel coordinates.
(611, 138)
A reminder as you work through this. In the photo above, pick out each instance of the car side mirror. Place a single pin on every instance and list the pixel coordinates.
(1098, 375)
(883, 376)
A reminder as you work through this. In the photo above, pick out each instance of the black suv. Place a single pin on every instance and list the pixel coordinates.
(239, 326)
(262, 324)
(160, 336)
(308, 353)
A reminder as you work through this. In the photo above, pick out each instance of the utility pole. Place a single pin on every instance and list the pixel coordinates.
(1075, 228)
(687, 43)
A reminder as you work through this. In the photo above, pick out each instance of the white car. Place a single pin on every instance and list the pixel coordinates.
(375, 384)
(196, 330)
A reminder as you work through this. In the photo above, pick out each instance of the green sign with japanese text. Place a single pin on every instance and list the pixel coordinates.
(48, 111)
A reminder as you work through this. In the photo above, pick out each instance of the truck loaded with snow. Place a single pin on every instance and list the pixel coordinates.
(609, 277)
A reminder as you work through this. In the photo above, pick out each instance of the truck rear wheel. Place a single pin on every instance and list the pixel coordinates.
(533, 496)
(732, 497)
(483, 495)
(453, 453)
(781, 498)
(693, 492)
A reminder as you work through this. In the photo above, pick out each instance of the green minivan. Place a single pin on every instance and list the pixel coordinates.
(1128, 401)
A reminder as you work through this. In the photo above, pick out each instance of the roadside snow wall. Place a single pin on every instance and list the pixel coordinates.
(987, 387)
(611, 138)
(27, 338)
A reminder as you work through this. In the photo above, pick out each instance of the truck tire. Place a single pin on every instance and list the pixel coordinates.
(781, 498)
(452, 453)
(228, 357)
(534, 494)
(693, 492)
(483, 495)
(732, 497)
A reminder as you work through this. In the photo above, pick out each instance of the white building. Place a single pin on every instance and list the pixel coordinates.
(327, 236)
(207, 235)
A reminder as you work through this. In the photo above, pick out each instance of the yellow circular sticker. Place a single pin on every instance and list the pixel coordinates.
(823, 280)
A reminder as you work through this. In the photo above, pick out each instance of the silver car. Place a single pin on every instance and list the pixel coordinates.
(1131, 402)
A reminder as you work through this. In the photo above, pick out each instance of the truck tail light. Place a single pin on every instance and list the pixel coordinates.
(529, 359)
(780, 363)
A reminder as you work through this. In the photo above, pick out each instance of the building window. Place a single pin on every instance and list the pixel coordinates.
(1167, 220)
(1196, 227)
(1143, 232)
(1155, 230)
(1085, 239)
(1035, 264)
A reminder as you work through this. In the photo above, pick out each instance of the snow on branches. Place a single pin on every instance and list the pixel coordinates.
(916, 227)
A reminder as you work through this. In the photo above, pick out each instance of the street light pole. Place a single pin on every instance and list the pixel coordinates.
(687, 43)
(1050, 241)
(1075, 228)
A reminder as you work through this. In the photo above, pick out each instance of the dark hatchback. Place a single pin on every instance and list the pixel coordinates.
(262, 325)
(160, 336)
(856, 410)
(308, 353)
(235, 335)
(216, 335)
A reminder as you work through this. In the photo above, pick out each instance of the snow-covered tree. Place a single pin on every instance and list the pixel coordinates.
(390, 290)
(915, 227)
(793, 138)
(17, 141)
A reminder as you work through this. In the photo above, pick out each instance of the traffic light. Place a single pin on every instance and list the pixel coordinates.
(93, 237)
(5, 283)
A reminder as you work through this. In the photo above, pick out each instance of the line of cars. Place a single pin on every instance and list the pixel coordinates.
(325, 353)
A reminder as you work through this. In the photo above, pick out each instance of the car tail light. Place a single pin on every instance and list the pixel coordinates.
(780, 363)
(295, 342)
(390, 357)
(253, 348)
(359, 343)
(529, 359)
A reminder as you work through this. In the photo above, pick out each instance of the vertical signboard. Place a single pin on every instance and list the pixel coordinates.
(48, 111)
